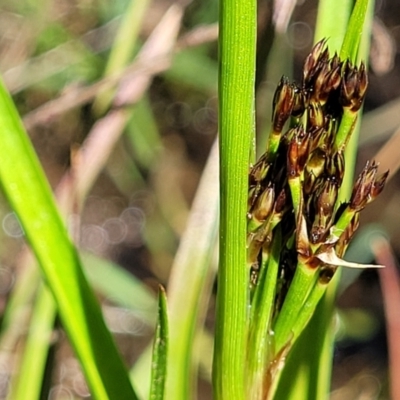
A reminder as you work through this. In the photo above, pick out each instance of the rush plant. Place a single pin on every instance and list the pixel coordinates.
(297, 229)
(300, 219)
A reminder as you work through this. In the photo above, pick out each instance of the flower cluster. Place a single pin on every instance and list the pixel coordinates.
(294, 186)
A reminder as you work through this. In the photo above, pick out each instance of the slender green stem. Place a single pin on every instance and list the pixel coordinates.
(308, 309)
(190, 283)
(260, 345)
(347, 125)
(303, 281)
(355, 29)
(236, 96)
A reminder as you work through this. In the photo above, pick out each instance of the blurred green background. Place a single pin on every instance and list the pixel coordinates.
(75, 67)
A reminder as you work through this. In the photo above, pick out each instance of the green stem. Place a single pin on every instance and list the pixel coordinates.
(346, 128)
(303, 281)
(236, 107)
(260, 320)
(308, 309)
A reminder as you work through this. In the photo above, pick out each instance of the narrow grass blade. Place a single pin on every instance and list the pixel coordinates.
(236, 115)
(355, 29)
(28, 383)
(123, 47)
(29, 194)
(190, 282)
(160, 350)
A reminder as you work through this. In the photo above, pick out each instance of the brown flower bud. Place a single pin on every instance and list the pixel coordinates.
(362, 86)
(314, 169)
(325, 202)
(353, 86)
(319, 81)
(316, 116)
(317, 136)
(297, 151)
(282, 104)
(259, 170)
(317, 55)
(300, 102)
(335, 61)
(378, 186)
(257, 175)
(331, 83)
(335, 167)
(281, 202)
(264, 204)
(363, 186)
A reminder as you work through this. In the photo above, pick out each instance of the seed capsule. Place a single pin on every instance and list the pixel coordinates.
(316, 116)
(297, 151)
(353, 86)
(325, 202)
(363, 186)
(264, 204)
(282, 104)
(319, 54)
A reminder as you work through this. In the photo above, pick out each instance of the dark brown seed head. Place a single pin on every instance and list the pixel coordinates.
(313, 64)
(325, 201)
(363, 186)
(353, 87)
(361, 88)
(260, 170)
(349, 84)
(316, 116)
(335, 62)
(314, 168)
(281, 202)
(313, 59)
(264, 204)
(378, 186)
(332, 81)
(299, 102)
(319, 82)
(317, 135)
(335, 167)
(297, 151)
(282, 104)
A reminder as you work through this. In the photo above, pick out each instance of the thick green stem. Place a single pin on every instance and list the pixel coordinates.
(236, 118)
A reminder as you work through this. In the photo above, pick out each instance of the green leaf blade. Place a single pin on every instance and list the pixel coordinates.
(29, 194)
(160, 350)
